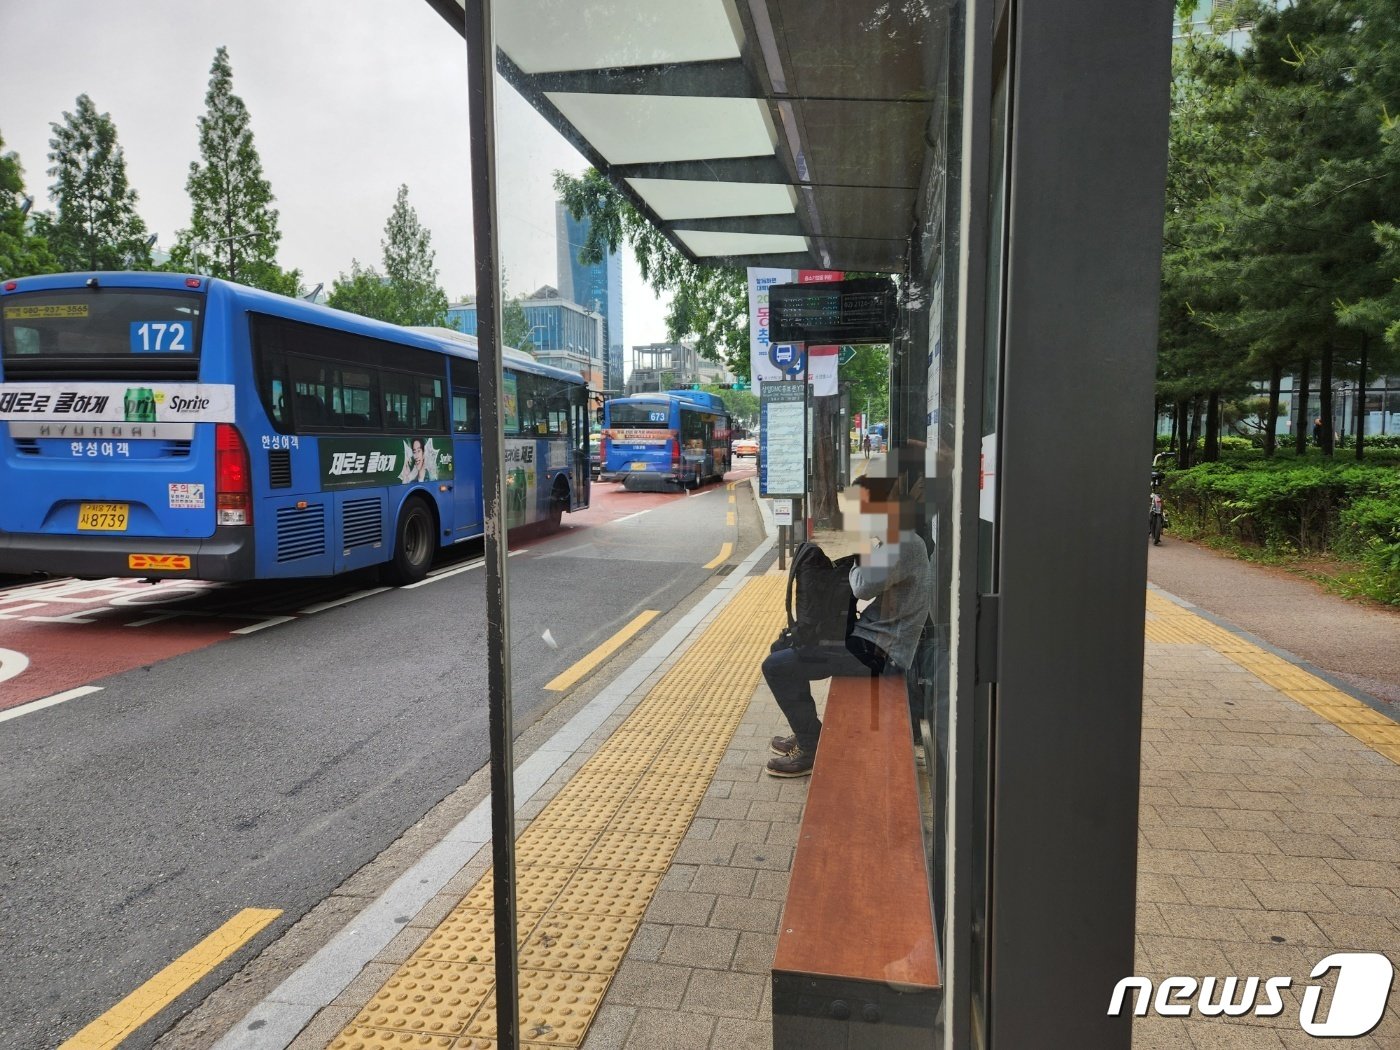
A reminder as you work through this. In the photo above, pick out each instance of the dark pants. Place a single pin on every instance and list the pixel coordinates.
(790, 672)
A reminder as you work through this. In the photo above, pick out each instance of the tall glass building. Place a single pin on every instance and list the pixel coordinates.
(596, 287)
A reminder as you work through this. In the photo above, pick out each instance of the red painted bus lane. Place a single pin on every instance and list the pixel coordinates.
(74, 631)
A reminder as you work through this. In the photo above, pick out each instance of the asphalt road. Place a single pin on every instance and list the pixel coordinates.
(265, 770)
(1357, 642)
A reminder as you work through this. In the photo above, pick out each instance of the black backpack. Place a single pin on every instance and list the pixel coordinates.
(821, 610)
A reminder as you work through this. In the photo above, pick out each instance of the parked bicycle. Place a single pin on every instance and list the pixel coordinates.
(1156, 510)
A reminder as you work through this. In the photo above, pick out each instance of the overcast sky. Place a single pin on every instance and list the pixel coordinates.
(347, 98)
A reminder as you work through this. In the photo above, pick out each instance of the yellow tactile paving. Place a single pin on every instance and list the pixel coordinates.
(1170, 624)
(556, 1007)
(589, 863)
(356, 1037)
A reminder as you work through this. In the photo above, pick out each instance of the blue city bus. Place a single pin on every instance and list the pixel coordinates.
(669, 439)
(169, 426)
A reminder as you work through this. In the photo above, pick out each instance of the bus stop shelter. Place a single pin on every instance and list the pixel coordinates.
(1005, 160)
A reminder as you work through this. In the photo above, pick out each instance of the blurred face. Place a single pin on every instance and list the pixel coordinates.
(880, 509)
(417, 452)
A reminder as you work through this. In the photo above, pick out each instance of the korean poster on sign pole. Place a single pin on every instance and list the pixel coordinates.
(761, 368)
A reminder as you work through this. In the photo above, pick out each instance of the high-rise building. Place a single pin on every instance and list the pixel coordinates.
(560, 333)
(596, 287)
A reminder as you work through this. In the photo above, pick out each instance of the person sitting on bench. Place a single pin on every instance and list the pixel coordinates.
(886, 634)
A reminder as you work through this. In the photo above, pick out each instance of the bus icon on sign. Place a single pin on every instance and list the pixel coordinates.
(787, 358)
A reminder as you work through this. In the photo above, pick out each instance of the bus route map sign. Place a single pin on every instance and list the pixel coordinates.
(782, 452)
(860, 311)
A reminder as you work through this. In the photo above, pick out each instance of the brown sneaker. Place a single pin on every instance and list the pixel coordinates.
(796, 763)
(781, 745)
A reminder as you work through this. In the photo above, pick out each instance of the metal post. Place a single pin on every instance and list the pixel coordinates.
(481, 123)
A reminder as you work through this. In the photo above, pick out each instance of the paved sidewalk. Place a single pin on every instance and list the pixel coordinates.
(1269, 828)
(1270, 838)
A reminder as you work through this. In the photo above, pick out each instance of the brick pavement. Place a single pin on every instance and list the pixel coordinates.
(1269, 838)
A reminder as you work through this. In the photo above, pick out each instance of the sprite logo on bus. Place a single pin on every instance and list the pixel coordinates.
(139, 405)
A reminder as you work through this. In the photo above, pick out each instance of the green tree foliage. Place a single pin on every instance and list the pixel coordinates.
(868, 376)
(233, 230)
(1280, 199)
(515, 326)
(410, 265)
(96, 226)
(1377, 76)
(407, 291)
(742, 405)
(365, 292)
(22, 253)
(709, 304)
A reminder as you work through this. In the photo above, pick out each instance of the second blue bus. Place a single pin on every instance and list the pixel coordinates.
(665, 440)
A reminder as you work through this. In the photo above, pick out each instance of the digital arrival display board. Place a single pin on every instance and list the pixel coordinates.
(860, 311)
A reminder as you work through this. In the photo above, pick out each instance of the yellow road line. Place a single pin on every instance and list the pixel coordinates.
(722, 557)
(161, 990)
(729, 519)
(598, 655)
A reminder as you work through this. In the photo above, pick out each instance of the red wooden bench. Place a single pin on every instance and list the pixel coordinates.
(856, 963)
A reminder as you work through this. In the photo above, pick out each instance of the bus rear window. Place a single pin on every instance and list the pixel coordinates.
(85, 330)
(640, 416)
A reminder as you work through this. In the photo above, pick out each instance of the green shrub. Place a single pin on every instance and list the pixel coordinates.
(1382, 441)
(1280, 505)
(1369, 533)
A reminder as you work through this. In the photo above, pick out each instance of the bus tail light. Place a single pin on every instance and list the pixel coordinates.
(603, 448)
(675, 444)
(233, 484)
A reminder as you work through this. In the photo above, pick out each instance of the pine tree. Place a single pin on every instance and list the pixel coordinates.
(410, 265)
(21, 253)
(96, 226)
(407, 292)
(1309, 205)
(1200, 351)
(233, 229)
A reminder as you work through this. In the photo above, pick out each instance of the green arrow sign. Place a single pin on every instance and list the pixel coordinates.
(844, 357)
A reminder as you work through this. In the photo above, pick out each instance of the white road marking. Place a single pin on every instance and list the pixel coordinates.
(311, 610)
(48, 701)
(11, 664)
(153, 619)
(457, 571)
(619, 521)
(444, 574)
(271, 621)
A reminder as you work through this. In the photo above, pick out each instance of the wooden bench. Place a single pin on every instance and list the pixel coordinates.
(856, 964)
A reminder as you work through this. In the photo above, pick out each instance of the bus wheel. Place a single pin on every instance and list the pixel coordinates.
(415, 543)
(558, 503)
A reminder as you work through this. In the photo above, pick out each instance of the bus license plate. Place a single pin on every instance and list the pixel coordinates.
(102, 517)
(641, 466)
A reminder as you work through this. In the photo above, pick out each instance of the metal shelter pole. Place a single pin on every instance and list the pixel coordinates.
(481, 122)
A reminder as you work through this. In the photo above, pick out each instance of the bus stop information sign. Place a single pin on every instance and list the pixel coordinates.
(861, 311)
(782, 452)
